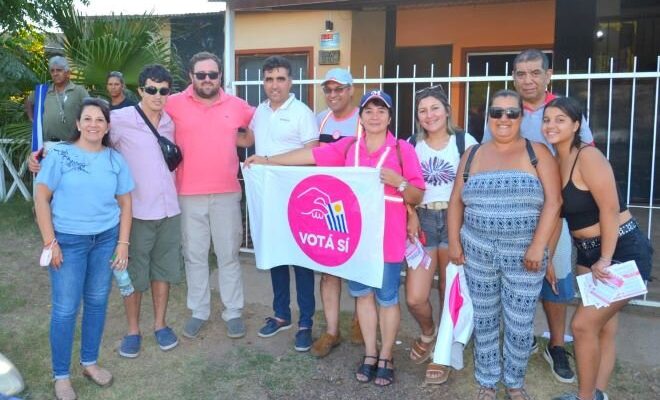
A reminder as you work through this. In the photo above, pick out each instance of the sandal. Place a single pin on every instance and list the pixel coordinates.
(64, 390)
(422, 348)
(384, 373)
(100, 376)
(517, 394)
(436, 374)
(486, 393)
(366, 370)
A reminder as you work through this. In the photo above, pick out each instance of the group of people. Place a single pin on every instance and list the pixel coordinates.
(505, 210)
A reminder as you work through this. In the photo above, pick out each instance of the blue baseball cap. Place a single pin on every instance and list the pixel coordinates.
(339, 75)
(376, 94)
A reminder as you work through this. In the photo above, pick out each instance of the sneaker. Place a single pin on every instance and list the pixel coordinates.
(273, 326)
(600, 395)
(303, 339)
(323, 345)
(557, 357)
(235, 328)
(535, 346)
(130, 346)
(192, 327)
(166, 338)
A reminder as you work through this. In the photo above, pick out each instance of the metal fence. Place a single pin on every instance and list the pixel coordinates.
(621, 107)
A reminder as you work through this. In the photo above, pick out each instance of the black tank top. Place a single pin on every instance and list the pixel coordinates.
(579, 207)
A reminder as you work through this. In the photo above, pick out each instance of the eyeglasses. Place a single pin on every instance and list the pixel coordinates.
(498, 112)
(202, 75)
(337, 90)
(164, 91)
(431, 89)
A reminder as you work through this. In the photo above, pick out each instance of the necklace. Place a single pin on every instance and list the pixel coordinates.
(60, 103)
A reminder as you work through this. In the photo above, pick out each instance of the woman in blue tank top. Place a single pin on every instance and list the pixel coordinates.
(501, 216)
(604, 232)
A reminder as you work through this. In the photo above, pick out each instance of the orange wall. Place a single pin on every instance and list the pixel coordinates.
(496, 25)
(504, 27)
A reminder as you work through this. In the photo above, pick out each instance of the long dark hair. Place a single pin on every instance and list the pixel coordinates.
(102, 105)
(573, 110)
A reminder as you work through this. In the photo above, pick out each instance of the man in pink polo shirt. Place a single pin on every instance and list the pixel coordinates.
(207, 121)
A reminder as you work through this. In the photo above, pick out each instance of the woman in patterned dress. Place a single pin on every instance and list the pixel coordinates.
(502, 212)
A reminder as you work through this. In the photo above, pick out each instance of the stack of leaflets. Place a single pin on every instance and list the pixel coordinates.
(623, 283)
(416, 255)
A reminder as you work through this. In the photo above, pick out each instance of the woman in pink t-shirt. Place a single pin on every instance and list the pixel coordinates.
(401, 173)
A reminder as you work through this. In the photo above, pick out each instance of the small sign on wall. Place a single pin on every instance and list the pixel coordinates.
(328, 57)
(329, 41)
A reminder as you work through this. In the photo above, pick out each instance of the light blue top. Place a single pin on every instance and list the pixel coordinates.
(84, 186)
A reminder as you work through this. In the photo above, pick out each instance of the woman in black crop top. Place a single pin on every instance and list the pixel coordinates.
(603, 231)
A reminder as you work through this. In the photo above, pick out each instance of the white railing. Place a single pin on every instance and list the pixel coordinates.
(362, 82)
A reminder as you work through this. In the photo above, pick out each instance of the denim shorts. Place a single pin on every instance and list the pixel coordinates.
(633, 245)
(563, 263)
(388, 294)
(434, 225)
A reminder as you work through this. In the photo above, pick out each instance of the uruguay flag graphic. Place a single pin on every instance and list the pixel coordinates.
(336, 217)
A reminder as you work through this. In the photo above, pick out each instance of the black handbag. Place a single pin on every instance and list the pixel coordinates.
(171, 152)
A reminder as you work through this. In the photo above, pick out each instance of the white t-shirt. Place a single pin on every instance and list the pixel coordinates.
(439, 167)
(279, 131)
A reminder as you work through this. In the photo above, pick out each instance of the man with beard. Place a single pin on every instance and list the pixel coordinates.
(207, 121)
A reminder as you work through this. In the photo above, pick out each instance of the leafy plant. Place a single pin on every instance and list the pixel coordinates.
(98, 45)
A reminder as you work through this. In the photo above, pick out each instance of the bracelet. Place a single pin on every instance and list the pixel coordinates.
(122, 242)
(51, 243)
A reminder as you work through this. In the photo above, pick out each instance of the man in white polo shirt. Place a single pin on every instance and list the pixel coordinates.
(280, 124)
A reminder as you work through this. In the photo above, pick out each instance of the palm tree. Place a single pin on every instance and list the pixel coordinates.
(98, 45)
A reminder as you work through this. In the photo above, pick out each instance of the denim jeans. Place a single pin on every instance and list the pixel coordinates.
(279, 276)
(85, 274)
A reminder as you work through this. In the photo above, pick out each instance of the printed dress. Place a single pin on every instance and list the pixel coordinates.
(502, 209)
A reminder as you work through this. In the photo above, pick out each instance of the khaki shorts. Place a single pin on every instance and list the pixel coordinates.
(155, 252)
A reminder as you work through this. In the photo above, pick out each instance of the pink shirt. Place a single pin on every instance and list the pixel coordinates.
(335, 154)
(154, 196)
(207, 137)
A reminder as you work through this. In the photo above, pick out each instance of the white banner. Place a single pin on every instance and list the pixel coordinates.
(329, 219)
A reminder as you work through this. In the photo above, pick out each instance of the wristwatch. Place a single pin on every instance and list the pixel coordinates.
(402, 186)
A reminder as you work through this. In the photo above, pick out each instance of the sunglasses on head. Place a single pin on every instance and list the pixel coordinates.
(202, 75)
(431, 89)
(498, 112)
(153, 90)
(337, 90)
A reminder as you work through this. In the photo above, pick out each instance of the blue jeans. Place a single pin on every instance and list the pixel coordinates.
(85, 274)
(279, 276)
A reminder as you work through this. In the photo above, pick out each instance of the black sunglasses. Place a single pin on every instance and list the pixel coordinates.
(164, 91)
(498, 112)
(202, 75)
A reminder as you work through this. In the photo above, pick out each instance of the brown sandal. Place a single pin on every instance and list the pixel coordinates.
(64, 391)
(486, 393)
(422, 348)
(436, 374)
(517, 394)
(101, 377)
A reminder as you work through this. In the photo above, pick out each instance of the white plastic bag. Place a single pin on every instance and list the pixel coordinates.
(457, 323)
